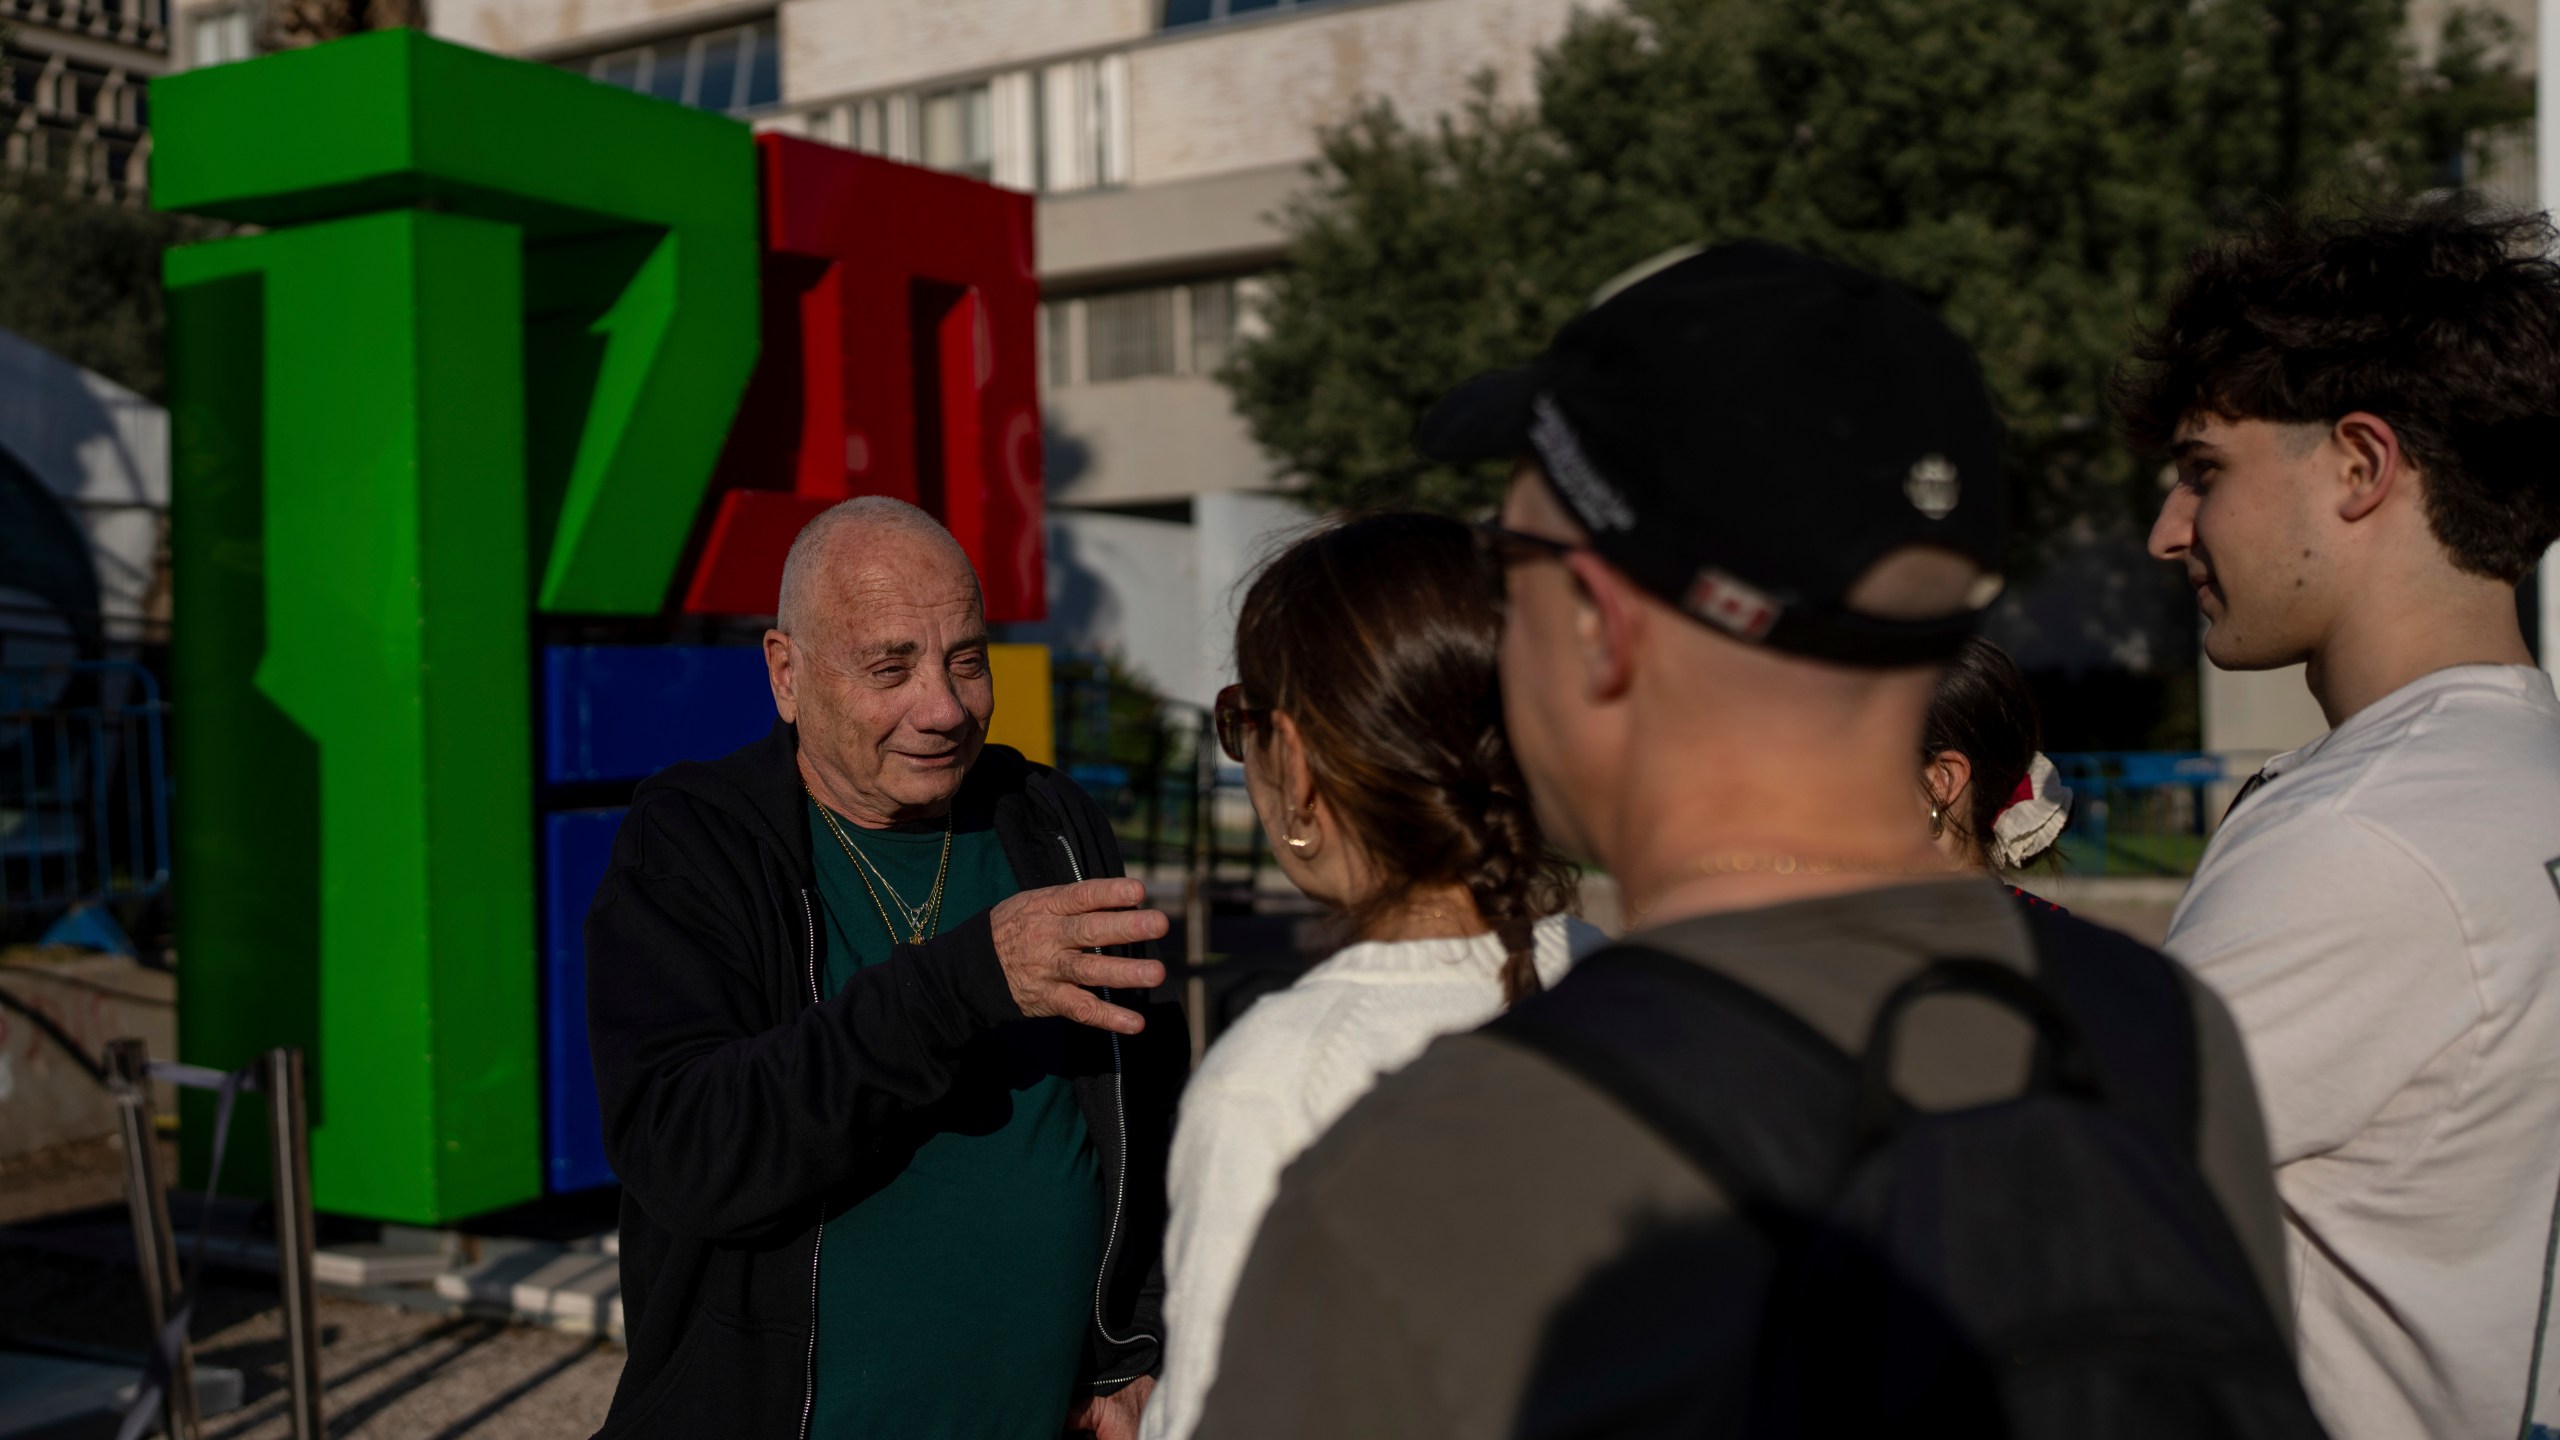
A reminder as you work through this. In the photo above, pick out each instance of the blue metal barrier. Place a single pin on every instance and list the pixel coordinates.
(2137, 811)
(84, 786)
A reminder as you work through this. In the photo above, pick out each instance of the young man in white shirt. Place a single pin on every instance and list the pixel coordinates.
(2362, 416)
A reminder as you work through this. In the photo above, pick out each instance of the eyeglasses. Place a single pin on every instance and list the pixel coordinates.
(1501, 548)
(1233, 717)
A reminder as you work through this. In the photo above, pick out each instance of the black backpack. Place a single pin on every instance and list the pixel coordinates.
(2048, 1265)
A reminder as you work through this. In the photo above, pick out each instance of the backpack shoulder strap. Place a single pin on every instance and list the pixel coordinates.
(1768, 1107)
(1753, 1095)
(2134, 1015)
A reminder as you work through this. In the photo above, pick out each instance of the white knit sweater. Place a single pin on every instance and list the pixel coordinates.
(1283, 1073)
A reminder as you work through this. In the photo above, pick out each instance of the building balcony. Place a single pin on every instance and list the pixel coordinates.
(142, 24)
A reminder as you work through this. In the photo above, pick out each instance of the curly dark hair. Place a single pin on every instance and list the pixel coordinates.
(1377, 636)
(2440, 317)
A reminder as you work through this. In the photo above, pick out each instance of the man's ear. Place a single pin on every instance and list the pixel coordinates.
(2375, 464)
(1606, 623)
(778, 673)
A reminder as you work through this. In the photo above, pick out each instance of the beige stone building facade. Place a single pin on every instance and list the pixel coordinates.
(72, 98)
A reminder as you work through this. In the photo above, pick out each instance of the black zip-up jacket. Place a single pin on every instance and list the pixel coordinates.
(741, 1107)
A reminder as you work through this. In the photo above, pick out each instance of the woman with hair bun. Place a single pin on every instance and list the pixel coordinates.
(1369, 723)
(1994, 801)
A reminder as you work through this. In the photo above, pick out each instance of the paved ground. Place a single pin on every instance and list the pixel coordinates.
(405, 1375)
(2140, 906)
(391, 1372)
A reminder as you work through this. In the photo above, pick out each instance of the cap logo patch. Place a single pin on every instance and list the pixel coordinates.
(1931, 486)
(1592, 497)
(1739, 609)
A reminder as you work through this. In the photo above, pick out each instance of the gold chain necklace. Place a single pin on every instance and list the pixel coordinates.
(922, 920)
(1772, 862)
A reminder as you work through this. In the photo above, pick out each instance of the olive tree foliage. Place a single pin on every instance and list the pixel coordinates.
(293, 24)
(80, 276)
(2036, 170)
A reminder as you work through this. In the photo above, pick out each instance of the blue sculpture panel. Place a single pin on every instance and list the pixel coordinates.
(623, 712)
(612, 715)
(575, 846)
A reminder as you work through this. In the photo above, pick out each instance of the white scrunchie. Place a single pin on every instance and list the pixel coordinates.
(2028, 825)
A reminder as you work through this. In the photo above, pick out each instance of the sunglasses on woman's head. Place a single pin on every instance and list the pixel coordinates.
(1233, 718)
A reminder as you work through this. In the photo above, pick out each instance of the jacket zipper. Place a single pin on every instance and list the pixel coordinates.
(817, 1246)
(1120, 1176)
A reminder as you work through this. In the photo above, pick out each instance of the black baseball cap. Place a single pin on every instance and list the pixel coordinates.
(1744, 431)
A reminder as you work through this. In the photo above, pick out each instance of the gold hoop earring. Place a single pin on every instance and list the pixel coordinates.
(1300, 843)
(1937, 822)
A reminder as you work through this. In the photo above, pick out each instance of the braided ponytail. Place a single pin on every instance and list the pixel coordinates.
(1513, 878)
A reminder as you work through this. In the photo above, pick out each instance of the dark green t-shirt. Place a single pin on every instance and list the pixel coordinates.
(953, 1293)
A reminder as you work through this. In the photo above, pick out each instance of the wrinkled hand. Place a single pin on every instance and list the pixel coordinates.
(1045, 940)
(1113, 1416)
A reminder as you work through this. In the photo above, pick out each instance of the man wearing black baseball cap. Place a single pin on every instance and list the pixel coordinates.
(1757, 499)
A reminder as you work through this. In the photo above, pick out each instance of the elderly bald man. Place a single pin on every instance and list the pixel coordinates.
(890, 1132)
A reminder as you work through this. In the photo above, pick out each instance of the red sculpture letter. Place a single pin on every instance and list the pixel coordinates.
(899, 359)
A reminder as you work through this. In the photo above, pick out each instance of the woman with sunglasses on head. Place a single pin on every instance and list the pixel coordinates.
(1369, 725)
(1995, 803)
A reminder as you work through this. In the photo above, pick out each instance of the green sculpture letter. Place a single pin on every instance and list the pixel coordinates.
(481, 363)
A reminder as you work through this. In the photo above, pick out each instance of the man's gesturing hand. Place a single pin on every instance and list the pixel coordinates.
(1045, 940)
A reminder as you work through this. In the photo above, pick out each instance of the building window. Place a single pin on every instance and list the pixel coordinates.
(218, 37)
(1053, 129)
(733, 69)
(1128, 335)
(1161, 330)
(119, 102)
(1178, 13)
(49, 86)
(1080, 134)
(1213, 325)
(1057, 342)
(957, 137)
(863, 125)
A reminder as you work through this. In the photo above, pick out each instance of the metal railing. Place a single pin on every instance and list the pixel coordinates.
(1154, 766)
(2139, 812)
(84, 786)
(171, 1282)
(1177, 804)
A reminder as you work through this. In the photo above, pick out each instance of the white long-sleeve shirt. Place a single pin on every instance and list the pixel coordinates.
(1273, 1083)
